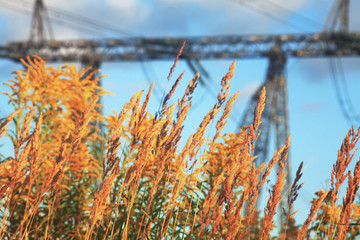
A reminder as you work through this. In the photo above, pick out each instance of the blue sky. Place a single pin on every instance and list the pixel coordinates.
(316, 121)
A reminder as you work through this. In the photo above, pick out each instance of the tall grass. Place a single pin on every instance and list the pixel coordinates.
(56, 185)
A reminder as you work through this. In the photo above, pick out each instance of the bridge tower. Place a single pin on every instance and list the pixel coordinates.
(275, 115)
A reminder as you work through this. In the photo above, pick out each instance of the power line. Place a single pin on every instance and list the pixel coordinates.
(74, 21)
(26, 11)
(355, 117)
(57, 12)
(270, 15)
(347, 98)
(17, 9)
(91, 22)
(333, 71)
(293, 13)
(148, 79)
(278, 17)
(346, 106)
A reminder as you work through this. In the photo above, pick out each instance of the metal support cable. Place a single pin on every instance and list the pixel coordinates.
(342, 105)
(347, 99)
(270, 15)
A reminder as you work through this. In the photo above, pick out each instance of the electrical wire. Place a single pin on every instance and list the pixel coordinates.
(342, 95)
(347, 99)
(15, 8)
(81, 24)
(295, 14)
(94, 24)
(56, 19)
(279, 17)
(157, 89)
(333, 71)
(26, 11)
(270, 15)
(69, 16)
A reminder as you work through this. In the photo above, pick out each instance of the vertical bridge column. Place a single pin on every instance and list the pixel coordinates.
(276, 105)
(274, 117)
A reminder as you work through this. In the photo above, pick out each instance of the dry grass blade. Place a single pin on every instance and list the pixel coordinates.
(26, 127)
(145, 104)
(223, 119)
(172, 69)
(99, 204)
(170, 94)
(275, 195)
(344, 159)
(294, 193)
(259, 108)
(314, 208)
(198, 138)
(257, 116)
(225, 84)
(82, 124)
(353, 187)
(338, 176)
(4, 124)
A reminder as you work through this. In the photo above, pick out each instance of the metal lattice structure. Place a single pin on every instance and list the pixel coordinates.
(219, 47)
(275, 115)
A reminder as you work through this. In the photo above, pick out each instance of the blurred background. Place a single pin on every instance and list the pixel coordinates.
(322, 92)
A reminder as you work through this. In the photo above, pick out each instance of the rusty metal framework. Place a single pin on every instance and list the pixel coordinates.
(40, 21)
(219, 47)
(338, 20)
(275, 114)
